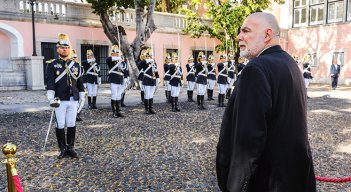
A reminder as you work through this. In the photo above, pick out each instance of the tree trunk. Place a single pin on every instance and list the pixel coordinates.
(131, 51)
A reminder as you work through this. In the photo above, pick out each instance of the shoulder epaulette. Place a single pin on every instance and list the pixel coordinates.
(49, 61)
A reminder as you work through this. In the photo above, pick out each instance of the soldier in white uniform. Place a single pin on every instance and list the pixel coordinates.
(175, 81)
(116, 66)
(211, 77)
(92, 78)
(222, 79)
(190, 77)
(167, 77)
(201, 79)
(64, 81)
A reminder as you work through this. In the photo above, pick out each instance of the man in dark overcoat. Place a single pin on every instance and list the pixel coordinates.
(263, 144)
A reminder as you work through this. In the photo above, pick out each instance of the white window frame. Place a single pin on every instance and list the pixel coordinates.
(340, 57)
(313, 59)
(335, 11)
(348, 14)
(298, 8)
(316, 7)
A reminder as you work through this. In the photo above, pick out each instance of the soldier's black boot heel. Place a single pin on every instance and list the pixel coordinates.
(176, 104)
(113, 106)
(151, 103)
(118, 109)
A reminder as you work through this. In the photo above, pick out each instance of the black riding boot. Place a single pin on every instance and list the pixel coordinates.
(122, 100)
(151, 103)
(211, 94)
(78, 118)
(61, 140)
(202, 98)
(169, 97)
(142, 97)
(89, 102)
(208, 95)
(146, 104)
(173, 104)
(113, 106)
(219, 100)
(189, 96)
(94, 103)
(222, 105)
(198, 98)
(176, 104)
(71, 134)
(166, 93)
(229, 92)
(118, 109)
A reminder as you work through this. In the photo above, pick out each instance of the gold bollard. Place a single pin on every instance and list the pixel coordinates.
(9, 150)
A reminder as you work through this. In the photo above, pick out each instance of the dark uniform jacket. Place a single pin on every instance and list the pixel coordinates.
(141, 74)
(307, 71)
(222, 74)
(117, 74)
(191, 69)
(150, 72)
(201, 73)
(91, 73)
(211, 71)
(263, 144)
(176, 76)
(70, 84)
(231, 69)
(166, 70)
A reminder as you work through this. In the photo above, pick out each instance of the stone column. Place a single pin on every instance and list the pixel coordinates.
(34, 72)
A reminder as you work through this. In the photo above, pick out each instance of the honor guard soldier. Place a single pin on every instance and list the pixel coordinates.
(167, 77)
(201, 80)
(231, 74)
(150, 80)
(176, 73)
(141, 76)
(222, 79)
(211, 77)
(241, 64)
(92, 78)
(75, 59)
(64, 81)
(126, 82)
(116, 67)
(190, 77)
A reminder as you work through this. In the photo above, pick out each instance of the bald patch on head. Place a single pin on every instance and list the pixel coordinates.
(266, 20)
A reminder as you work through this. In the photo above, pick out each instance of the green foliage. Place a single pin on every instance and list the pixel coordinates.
(227, 18)
(170, 6)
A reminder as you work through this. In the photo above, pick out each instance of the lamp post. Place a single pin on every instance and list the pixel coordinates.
(32, 2)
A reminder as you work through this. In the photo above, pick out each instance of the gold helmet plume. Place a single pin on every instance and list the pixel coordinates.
(168, 57)
(74, 54)
(223, 56)
(63, 40)
(149, 52)
(211, 58)
(143, 54)
(174, 55)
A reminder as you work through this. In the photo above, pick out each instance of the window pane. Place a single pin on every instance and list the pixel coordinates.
(349, 11)
(331, 11)
(313, 14)
(320, 13)
(297, 17)
(303, 15)
(339, 9)
(297, 3)
(303, 2)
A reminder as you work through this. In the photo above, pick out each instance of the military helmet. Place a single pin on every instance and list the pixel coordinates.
(63, 40)
(115, 49)
(149, 52)
(74, 54)
(168, 57)
(223, 56)
(201, 56)
(191, 58)
(174, 55)
(142, 54)
(90, 53)
(211, 58)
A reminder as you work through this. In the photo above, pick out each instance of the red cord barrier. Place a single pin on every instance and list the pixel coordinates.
(17, 183)
(333, 180)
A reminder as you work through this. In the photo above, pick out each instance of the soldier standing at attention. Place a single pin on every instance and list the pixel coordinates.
(126, 82)
(211, 77)
(116, 67)
(64, 81)
(150, 80)
(201, 80)
(176, 73)
(231, 75)
(75, 59)
(222, 79)
(190, 77)
(92, 78)
(141, 76)
(167, 77)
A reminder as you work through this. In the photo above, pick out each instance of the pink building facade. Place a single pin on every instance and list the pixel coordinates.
(317, 28)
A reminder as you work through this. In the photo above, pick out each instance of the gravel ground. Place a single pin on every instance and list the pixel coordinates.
(163, 152)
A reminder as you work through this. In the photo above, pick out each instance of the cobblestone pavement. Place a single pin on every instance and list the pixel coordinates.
(163, 152)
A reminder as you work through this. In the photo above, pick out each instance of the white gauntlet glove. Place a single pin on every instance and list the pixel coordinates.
(81, 101)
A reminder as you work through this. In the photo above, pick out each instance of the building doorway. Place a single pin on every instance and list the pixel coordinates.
(100, 53)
